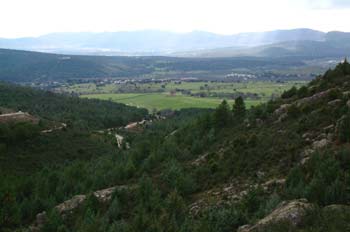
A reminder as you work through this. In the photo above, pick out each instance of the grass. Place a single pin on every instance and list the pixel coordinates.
(155, 96)
(258, 87)
(161, 101)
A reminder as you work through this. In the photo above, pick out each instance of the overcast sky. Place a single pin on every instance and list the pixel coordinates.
(20, 18)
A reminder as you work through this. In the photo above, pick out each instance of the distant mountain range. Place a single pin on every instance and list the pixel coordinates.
(198, 43)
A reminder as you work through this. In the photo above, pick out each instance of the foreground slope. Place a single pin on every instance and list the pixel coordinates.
(53, 128)
(281, 166)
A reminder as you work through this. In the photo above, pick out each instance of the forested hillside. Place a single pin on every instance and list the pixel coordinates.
(23, 66)
(64, 132)
(280, 166)
(74, 111)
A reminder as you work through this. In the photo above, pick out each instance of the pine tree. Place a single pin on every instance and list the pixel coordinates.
(238, 108)
(222, 115)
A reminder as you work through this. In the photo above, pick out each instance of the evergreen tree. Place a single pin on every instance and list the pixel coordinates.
(238, 108)
(222, 115)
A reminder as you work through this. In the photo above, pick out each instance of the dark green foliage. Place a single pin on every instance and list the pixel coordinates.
(54, 223)
(323, 182)
(24, 66)
(238, 108)
(289, 93)
(177, 179)
(344, 129)
(302, 92)
(15, 133)
(221, 219)
(222, 115)
(76, 112)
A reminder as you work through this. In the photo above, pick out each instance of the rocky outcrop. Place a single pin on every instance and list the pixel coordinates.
(66, 208)
(200, 160)
(18, 117)
(316, 145)
(313, 98)
(282, 109)
(232, 192)
(70, 205)
(335, 102)
(291, 212)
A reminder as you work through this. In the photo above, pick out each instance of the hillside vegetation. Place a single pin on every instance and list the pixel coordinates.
(68, 122)
(280, 166)
(23, 66)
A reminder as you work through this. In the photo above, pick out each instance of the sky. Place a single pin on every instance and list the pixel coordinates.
(23, 18)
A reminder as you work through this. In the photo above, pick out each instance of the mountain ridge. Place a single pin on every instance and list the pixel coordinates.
(154, 42)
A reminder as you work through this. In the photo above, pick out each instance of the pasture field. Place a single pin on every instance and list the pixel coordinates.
(177, 95)
(258, 87)
(160, 101)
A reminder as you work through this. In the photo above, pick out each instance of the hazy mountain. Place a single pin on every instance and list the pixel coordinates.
(334, 44)
(153, 42)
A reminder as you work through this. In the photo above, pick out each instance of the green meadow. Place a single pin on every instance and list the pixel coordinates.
(161, 101)
(156, 96)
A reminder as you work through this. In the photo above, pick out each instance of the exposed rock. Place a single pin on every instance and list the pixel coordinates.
(320, 144)
(304, 160)
(40, 220)
(244, 228)
(292, 212)
(321, 136)
(328, 128)
(313, 98)
(305, 155)
(268, 185)
(68, 206)
(307, 135)
(200, 160)
(282, 117)
(282, 109)
(346, 93)
(120, 140)
(18, 117)
(260, 174)
(335, 102)
(105, 195)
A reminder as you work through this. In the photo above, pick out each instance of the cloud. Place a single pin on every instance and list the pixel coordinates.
(328, 4)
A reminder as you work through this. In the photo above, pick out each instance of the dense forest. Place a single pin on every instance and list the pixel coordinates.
(23, 66)
(25, 148)
(83, 113)
(226, 170)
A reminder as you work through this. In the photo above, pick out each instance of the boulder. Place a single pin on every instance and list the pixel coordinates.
(105, 195)
(291, 212)
(282, 117)
(282, 109)
(335, 102)
(70, 205)
(320, 144)
(313, 98)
